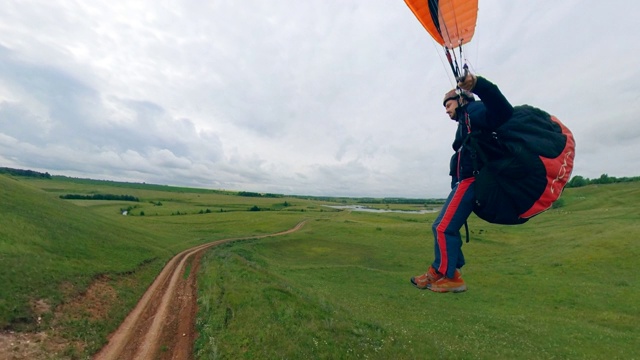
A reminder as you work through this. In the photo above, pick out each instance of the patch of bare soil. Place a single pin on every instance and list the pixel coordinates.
(93, 304)
(38, 344)
(46, 343)
(15, 346)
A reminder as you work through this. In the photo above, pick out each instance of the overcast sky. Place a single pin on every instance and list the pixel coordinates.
(313, 97)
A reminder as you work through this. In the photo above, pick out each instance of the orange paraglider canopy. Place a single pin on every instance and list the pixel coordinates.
(451, 23)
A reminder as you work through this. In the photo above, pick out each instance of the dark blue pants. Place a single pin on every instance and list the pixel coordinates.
(446, 228)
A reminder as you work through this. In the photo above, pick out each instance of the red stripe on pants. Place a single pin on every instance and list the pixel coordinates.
(450, 211)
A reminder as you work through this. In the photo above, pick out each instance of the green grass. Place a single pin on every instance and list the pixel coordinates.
(561, 286)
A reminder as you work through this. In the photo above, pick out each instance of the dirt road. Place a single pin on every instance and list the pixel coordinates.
(162, 326)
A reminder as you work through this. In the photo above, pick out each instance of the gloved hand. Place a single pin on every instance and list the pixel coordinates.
(468, 83)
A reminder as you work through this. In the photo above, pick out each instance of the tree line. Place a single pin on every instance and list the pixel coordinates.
(27, 173)
(100, 197)
(578, 181)
(255, 194)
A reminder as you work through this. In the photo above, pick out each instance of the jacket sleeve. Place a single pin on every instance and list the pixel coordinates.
(498, 108)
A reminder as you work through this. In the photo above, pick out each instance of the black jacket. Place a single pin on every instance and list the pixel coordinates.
(490, 112)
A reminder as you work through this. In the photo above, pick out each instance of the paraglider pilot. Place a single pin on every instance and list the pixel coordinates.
(490, 112)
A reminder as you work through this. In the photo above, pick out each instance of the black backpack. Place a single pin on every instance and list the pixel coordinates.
(522, 167)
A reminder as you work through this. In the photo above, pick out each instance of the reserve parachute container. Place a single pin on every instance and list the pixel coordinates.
(522, 167)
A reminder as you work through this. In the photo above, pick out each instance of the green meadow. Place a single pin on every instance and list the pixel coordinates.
(562, 285)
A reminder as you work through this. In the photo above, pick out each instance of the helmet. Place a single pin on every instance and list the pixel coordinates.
(458, 93)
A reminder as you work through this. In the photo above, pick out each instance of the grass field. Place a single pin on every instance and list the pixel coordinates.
(561, 286)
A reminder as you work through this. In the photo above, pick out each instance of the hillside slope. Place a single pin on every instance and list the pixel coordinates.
(51, 249)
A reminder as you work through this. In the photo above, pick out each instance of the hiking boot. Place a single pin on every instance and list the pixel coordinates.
(431, 276)
(445, 284)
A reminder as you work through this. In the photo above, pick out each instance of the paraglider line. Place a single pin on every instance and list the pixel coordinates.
(454, 69)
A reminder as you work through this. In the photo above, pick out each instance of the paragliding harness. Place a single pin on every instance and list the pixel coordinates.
(521, 167)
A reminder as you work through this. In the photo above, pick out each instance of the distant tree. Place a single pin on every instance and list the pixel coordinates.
(255, 208)
(605, 179)
(249, 194)
(578, 181)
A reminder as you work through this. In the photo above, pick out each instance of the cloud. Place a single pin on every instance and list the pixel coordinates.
(322, 97)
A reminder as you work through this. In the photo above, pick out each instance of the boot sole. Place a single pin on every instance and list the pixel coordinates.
(416, 285)
(458, 289)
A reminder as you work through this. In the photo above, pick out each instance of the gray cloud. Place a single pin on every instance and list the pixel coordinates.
(317, 97)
